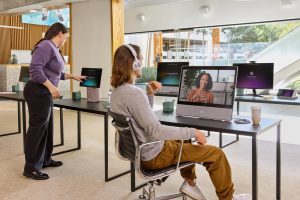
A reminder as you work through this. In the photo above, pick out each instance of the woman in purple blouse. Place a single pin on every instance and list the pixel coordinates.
(46, 69)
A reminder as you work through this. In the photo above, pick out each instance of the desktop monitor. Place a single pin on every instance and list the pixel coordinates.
(24, 74)
(255, 76)
(93, 77)
(207, 92)
(168, 73)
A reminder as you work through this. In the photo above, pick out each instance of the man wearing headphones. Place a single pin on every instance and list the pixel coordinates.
(129, 100)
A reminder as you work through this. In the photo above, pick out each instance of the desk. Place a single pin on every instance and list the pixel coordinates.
(274, 100)
(96, 108)
(232, 128)
(18, 96)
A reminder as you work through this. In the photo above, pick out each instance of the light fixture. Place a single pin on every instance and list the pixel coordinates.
(59, 15)
(141, 17)
(287, 2)
(33, 11)
(44, 14)
(15, 27)
(204, 10)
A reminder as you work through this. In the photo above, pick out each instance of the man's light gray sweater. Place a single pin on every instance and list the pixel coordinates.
(132, 101)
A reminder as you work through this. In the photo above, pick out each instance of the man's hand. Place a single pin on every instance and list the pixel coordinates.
(152, 87)
(200, 137)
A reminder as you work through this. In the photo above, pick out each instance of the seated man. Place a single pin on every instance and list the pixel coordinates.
(129, 100)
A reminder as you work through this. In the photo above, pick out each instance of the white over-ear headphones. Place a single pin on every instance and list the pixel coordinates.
(136, 65)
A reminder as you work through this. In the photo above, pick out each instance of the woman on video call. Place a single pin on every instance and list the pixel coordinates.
(202, 92)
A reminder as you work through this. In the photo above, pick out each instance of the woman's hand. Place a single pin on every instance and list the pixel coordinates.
(153, 86)
(200, 137)
(77, 78)
(54, 92)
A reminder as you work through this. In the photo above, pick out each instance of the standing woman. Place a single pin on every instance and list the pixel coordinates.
(45, 72)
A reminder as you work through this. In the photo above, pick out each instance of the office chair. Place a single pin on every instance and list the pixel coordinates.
(129, 148)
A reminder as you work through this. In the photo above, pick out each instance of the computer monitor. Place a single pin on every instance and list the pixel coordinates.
(93, 77)
(168, 73)
(255, 76)
(24, 74)
(207, 92)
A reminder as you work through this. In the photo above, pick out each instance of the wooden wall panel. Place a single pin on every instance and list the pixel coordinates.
(4, 38)
(21, 39)
(117, 23)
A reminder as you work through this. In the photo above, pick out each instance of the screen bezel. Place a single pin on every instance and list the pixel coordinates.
(171, 85)
(24, 71)
(99, 70)
(207, 68)
(254, 65)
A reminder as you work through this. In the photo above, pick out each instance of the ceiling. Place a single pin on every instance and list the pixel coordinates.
(21, 6)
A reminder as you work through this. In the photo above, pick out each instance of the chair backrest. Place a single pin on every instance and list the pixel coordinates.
(126, 142)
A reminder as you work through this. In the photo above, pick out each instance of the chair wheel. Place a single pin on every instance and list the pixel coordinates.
(142, 196)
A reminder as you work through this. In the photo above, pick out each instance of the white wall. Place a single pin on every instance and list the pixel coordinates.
(185, 14)
(92, 47)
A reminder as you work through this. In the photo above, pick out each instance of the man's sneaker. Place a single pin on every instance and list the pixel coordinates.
(192, 191)
(242, 197)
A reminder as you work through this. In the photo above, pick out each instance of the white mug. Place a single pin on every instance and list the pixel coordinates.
(255, 113)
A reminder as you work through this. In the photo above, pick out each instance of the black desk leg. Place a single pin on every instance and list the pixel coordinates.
(19, 117)
(78, 137)
(133, 186)
(221, 141)
(106, 153)
(278, 164)
(78, 130)
(254, 168)
(61, 119)
(19, 123)
(24, 123)
(238, 107)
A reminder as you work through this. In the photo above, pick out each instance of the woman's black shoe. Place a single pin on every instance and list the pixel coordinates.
(53, 163)
(37, 175)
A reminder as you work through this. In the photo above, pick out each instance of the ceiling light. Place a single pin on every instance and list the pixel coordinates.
(33, 11)
(141, 17)
(204, 9)
(44, 14)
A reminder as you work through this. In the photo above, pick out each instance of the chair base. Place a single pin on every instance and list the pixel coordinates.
(150, 195)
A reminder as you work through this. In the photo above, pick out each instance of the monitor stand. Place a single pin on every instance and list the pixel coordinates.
(254, 94)
(93, 94)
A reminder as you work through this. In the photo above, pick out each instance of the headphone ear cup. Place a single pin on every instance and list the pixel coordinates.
(136, 65)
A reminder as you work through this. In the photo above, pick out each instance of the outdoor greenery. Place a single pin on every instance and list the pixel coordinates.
(148, 74)
(259, 33)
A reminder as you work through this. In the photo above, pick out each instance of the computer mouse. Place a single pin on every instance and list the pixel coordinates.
(242, 121)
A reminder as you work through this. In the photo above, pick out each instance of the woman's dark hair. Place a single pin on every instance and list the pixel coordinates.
(209, 85)
(51, 33)
(122, 65)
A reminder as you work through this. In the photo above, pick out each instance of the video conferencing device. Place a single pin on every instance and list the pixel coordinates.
(216, 102)
(168, 74)
(287, 94)
(92, 82)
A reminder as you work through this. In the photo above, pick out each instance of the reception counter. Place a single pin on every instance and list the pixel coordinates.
(9, 75)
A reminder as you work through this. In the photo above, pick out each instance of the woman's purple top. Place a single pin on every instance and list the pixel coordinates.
(46, 64)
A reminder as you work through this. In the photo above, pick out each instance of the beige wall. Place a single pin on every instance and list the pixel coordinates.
(91, 42)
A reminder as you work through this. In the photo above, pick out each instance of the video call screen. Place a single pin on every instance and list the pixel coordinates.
(168, 73)
(93, 77)
(210, 86)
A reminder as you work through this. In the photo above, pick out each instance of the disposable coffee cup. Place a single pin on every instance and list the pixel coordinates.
(255, 113)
